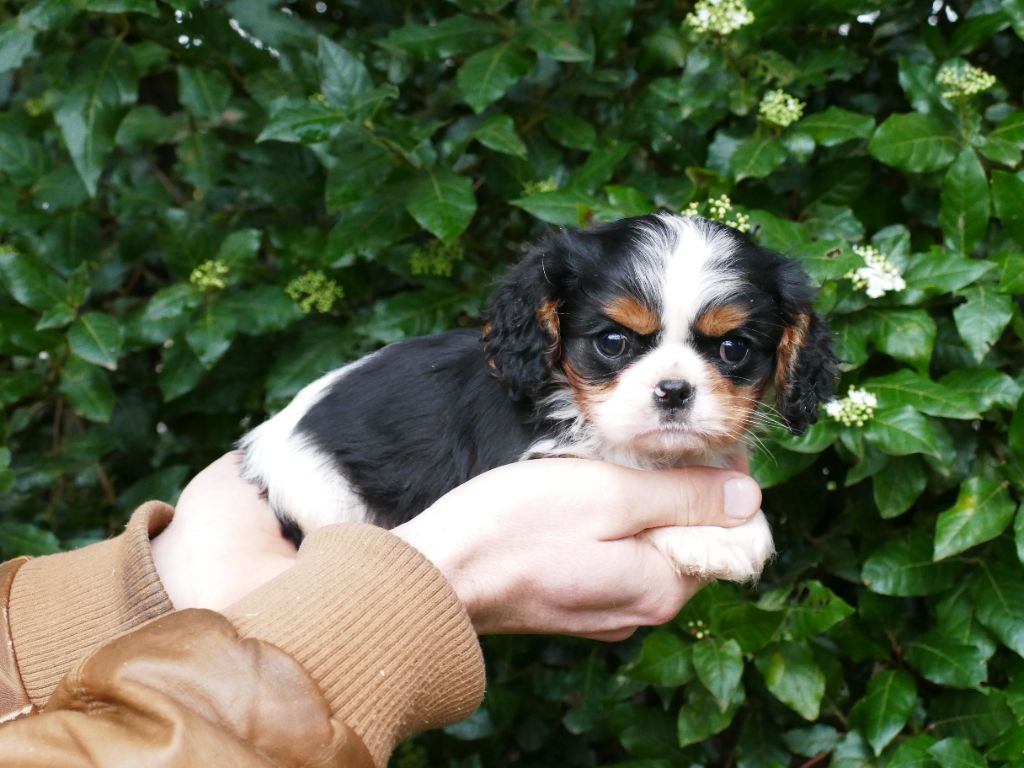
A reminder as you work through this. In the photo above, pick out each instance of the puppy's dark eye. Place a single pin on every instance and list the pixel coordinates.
(612, 344)
(733, 351)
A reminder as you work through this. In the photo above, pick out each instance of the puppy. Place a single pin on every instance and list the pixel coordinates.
(647, 342)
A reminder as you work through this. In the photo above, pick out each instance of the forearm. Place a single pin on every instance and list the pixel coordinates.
(363, 631)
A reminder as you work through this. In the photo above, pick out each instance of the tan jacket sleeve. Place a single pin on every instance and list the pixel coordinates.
(357, 645)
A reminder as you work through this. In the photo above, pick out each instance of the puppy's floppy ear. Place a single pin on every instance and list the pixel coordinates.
(806, 366)
(522, 338)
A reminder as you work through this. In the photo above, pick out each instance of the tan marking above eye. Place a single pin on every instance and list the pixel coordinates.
(631, 314)
(719, 321)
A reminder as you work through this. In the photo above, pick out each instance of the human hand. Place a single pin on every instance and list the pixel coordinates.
(223, 542)
(550, 545)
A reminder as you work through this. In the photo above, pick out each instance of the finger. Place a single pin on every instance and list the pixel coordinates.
(691, 496)
(740, 461)
(612, 636)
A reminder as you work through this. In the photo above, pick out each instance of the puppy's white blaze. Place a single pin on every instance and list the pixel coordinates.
(695, 273)
(732, 554)
(302, 481)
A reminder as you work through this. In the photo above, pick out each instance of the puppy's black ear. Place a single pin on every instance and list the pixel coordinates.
(806, 366)
(522, 338)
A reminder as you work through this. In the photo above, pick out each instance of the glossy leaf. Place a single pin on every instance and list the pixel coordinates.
(885, 708)
(982, 511)
(915, 143)
(793, 677)
(442, 203)
(97, 338)
(486, 76)
(965, 204)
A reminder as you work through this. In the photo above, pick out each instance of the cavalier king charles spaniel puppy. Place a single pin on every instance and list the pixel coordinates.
(647, 342)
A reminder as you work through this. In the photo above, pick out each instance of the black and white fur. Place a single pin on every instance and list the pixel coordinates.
(647, 342)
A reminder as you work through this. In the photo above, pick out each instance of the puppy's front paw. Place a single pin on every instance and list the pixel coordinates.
(729, 554)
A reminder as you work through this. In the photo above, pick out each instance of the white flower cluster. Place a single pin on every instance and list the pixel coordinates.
(780, 108)
(722, 17)
(720, 209)
(855, 409)
(879, 276)
(963, 80)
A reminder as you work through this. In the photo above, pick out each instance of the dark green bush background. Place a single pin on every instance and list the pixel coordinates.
(404, 151)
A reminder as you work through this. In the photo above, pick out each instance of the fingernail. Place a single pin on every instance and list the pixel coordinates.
(742, 498)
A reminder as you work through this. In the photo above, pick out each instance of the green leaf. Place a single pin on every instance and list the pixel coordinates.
(147, 7)
(180, 369)
(201, 161)
(982, 317)
(456, 35)
(97, 338)
(488, 75)
(905, 334)
(965, 208)
(999, 600)
(1008, 197)
(89, 113)
(600, 166)
(902, 431)
(499, 133)
(885, 708)
(30, 283)
(16, 45)
(567, 208)
(557, 39)
(665, 659)
(204, 92)
(985, 387)
(946, 662)
(303, 122)
(87, 389)
(756, 158)
(570, 131)
(914, 143)
(905, 387)
(836, 126)
(913, 753)
(211, 333)
(957, 753)
(898, 484)
(982, 511)
(814, 610)
(943, 271)
(793, 677)
(344, 81)
(358, 165)
(146, 126)
(700, 716)
(26, 539)
(418, 313)
(906, 569)
(719, 665)
(367, 226)
(442, 202)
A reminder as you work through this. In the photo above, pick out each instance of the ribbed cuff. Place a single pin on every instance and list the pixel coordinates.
(63, 606)
(378, 627)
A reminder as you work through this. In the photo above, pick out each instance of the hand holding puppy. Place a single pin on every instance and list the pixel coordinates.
(545, 546)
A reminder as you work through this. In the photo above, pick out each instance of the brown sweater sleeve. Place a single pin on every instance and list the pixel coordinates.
(62, 607)
(365, 618)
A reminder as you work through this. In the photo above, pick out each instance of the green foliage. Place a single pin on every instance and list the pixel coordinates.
(182, 184)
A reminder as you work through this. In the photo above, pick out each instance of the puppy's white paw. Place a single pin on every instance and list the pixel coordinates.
(729, 554)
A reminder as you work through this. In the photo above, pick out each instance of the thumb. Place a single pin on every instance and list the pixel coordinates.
(691, 496)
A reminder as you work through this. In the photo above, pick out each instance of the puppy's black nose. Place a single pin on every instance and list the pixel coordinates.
(673, 393)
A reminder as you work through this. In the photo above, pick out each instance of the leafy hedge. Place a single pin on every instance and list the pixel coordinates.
(205, 205)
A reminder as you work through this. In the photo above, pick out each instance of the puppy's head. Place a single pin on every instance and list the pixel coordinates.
(662, 332)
